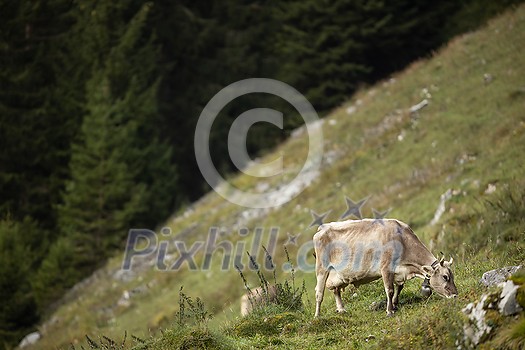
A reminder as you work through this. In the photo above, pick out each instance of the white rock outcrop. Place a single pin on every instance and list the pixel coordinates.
(508, 304)
(497, 276)
(30, 339)
(483, 313)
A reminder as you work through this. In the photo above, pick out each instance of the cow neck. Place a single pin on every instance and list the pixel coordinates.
(426, 281)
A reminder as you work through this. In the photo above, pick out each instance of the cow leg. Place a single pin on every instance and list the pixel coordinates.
(388, 281)
(338, 301)
(395, 299)
(322, 276)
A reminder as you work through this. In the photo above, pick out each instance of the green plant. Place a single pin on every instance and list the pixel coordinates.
(285, 295)
(106, 343)
(191, 311)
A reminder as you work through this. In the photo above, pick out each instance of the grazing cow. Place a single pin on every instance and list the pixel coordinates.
(360, 251)
(256, 298)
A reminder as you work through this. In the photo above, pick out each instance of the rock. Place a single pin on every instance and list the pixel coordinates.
(262, 187)
(441, 206)
(47, 325)
(30, 339)
(351, 110)
(124, 275)
(497, 276)
(487, 78)
(417, 107)
(508, 305)
(401, 136)
(477, 328)
(124, 300)
(483, 315)
(377, 305)
(491, 188)
(425, 93)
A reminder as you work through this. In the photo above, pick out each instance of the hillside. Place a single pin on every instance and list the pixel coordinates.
(465, 147)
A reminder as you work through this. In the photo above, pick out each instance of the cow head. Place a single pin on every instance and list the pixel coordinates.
(441, 278)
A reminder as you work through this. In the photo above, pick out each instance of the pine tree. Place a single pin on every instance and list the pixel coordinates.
(398, 32)
(329, 48)
(39, 99)
(128, 55)
(60, 270)
(19, 254)
(120, 166)
(99, 201)
(121, 175)
(321, 50)
(215, 45)
(102, 196)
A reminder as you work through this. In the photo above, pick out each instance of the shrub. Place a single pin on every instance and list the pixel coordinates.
(287, 297)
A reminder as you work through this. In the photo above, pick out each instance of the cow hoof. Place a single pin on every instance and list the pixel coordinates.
(341, 311)
(390, 314)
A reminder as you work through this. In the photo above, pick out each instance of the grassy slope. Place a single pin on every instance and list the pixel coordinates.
(471, 134)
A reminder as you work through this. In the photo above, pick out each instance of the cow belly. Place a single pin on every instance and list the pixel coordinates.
(337, 279)
(365, 280)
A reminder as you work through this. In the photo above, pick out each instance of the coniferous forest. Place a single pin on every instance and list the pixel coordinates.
(99, 102)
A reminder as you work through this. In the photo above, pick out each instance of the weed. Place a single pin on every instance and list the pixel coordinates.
(191, 311)
(105, 343)
(285, 295)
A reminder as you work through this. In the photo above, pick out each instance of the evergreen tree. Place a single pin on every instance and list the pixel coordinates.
(19, 255)
(128, 54)
(205, 47)
(396, 33)
(121, 175)
(321, 49)
(60, 270)
(102, 197)
(120, 167)
(329, 48)
(39, 98)
(99, 200)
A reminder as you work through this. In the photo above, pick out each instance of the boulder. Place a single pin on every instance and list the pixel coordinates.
(477, 328)
(30, 339)
(508, 304)
(486, 314)
(497, 276)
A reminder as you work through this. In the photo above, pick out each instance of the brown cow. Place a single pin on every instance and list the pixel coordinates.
(256, 298)
(360, 251)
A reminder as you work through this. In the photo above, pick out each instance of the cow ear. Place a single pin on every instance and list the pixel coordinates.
(428, 270)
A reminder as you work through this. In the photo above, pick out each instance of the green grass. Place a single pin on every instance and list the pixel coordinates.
(471, 134)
